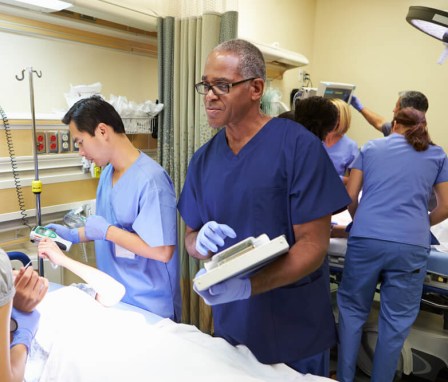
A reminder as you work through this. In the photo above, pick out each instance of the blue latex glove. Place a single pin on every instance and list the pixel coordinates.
(211, 236)
(70, 234)
(229, 290)
(27, 327)
(96, 227)
(356, 103)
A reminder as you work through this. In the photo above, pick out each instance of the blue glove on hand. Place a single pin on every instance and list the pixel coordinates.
(70, 234)
(211, 236)
(356, 103)
(96, 227)
(229, 290)
(27, 326)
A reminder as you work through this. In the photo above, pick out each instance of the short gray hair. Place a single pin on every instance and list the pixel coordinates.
(415, 99)
(251, 61)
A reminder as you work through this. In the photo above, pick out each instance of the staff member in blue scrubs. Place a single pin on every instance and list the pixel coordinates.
(389, 241)
(135, 223)
(408, 98)
(263, 175)
(341, 149)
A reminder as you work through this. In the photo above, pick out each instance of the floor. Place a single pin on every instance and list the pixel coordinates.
(361, 377)
(426, 328)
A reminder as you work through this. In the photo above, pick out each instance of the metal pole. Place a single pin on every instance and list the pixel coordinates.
(36, 185)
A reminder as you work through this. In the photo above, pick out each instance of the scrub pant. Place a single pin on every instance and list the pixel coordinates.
(318, 364)
(401, 269)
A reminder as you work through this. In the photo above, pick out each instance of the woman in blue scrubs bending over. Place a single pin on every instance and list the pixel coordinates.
(389, 241)
(262, 175)
(134, 228)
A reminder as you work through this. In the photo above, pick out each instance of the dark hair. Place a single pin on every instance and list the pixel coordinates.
(88, 113)
(251, 60)
(416, 132)
(318, 114)
(415, 99)
(288, 115)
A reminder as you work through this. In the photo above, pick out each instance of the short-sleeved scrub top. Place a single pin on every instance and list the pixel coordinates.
(143, 201)
(280, 178)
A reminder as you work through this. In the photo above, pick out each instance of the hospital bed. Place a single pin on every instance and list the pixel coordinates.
(425, 352)
(80, 340)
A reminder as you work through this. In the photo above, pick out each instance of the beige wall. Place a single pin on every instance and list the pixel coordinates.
(368, 43)
(288, 22)
(65, 63)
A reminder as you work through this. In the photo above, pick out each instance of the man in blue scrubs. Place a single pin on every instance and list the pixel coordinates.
(134, 228)
(410, 98)
(263, 175)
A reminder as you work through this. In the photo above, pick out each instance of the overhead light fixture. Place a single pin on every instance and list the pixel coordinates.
(433, 22)
(40, 5)
(430, 21)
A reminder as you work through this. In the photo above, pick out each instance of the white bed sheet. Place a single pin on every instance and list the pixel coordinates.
(80, 340)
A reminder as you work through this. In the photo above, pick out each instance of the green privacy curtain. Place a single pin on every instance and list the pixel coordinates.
(183, 46)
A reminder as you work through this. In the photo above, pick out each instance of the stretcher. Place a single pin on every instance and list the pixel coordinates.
(425, 352)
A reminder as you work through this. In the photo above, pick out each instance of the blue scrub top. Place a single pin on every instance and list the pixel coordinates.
(342, 154)
(392, 168)
(281, 177)
(143, 201)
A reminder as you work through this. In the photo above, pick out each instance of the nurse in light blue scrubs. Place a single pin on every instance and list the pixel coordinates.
(341, 149)
(390, 239)
(134, 229)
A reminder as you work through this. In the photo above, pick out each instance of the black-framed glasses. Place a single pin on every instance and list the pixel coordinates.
(218, 88)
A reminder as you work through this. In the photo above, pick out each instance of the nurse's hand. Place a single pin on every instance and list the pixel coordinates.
(211, 236)
(356, 103)
(227, 291)
(70, 234)
(27, 324)
(96, 227)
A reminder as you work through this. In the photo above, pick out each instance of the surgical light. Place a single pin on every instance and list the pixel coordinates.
(433, 22)
(430, 21)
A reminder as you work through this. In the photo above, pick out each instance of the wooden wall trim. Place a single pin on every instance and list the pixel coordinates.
(21, 25)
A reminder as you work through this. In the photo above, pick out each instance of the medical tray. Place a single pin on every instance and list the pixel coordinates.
(241, 258)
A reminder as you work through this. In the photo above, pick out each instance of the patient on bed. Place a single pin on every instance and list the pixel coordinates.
(106, 289)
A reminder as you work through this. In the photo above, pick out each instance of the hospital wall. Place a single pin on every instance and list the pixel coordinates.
(62, 63)
(368, 43)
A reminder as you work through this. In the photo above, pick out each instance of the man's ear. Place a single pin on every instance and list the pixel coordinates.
(258, 88)
(102, 129)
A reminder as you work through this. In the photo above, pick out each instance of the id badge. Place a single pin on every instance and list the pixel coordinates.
(123, 253)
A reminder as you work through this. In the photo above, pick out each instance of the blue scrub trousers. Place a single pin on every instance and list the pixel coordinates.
(401, 269)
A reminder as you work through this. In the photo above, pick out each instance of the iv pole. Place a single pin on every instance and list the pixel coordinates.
(36, 184)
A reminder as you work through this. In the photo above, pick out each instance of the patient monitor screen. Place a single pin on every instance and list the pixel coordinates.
(343, 94)
(336, 90)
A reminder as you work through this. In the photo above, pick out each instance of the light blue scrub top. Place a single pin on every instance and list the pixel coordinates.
(143, 201)
(342, 154)
(381, 213)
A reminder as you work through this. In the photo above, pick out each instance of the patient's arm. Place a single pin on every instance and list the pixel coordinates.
(108, 290)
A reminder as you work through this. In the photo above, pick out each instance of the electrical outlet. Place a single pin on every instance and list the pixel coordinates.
(64, 141)
(41, 145)
(52, 142)
(75, 146)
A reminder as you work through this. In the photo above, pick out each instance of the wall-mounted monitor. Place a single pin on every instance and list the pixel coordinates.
(336, 90)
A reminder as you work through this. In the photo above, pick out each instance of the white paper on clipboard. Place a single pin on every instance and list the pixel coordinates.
(243, 257)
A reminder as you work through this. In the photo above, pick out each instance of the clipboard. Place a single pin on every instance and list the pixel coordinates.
(244, 257)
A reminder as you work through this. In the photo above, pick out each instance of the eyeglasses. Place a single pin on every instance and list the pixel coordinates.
(219, 88)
